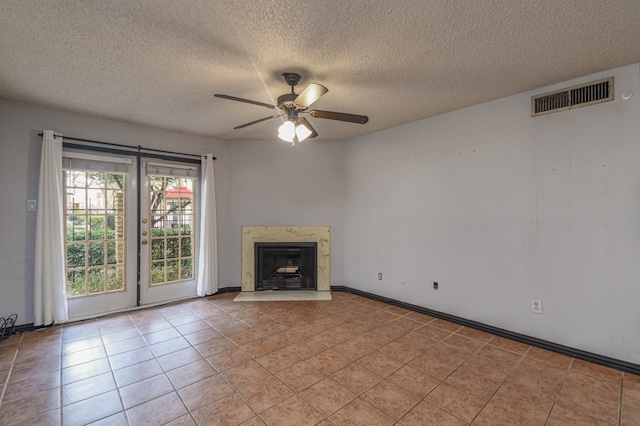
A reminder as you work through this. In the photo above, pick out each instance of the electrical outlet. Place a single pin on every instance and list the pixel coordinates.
(32, 205)
(536, 306)
(435, 285)
(380, 275)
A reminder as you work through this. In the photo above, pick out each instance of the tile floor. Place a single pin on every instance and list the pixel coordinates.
(348, 361)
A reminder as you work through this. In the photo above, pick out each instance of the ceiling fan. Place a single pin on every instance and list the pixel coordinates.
(296, 128)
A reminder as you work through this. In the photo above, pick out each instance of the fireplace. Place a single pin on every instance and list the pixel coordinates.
(285, 266)
(319, 235)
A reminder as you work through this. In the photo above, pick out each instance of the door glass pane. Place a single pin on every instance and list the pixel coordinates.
(95, 232)
(172, 217)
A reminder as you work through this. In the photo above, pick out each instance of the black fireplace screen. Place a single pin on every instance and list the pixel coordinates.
(286, 266)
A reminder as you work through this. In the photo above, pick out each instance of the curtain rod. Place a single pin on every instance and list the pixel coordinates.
(139, 148)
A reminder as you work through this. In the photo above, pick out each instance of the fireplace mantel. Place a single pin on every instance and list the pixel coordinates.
(284, 234)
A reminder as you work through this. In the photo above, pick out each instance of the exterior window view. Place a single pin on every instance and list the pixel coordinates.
(95, 232)
(172, 234)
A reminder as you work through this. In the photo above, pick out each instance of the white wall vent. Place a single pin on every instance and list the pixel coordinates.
(573, 97)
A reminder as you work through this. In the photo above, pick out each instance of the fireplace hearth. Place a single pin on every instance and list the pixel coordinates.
(285, 266)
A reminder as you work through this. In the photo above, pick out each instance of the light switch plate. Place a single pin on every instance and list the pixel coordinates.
(32, 205)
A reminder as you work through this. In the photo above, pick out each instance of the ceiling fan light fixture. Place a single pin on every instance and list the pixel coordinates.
(303, 132)
(287, 131)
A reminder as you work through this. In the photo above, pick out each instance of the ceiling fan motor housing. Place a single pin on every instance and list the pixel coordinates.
(286, 101)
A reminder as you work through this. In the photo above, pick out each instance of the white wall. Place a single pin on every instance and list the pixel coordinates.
(271, 183)
(20, 148)
(500, 208)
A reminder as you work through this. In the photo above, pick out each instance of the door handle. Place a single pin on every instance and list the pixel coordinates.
(144, 233)
(143, 242)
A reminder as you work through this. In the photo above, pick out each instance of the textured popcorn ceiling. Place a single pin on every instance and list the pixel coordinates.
(159, 62)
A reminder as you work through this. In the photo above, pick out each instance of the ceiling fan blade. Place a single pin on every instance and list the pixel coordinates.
(242, 126)
(248, 101)
(310, 94)
(340, 116)
(308, 125)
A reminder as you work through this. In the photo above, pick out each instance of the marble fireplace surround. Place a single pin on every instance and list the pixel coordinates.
(286, 234)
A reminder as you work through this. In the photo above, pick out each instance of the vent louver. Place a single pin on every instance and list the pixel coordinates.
(573, 97)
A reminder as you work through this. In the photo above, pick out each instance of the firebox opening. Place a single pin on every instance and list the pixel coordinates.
(286, 266)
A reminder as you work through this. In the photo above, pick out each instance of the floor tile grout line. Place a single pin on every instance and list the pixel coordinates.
(501, 383)
(555, 401)
(8, 378)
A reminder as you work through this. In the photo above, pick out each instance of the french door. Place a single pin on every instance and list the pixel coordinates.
(167, 232)
(127, 243)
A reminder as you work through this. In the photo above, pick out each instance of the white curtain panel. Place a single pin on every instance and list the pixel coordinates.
(50, 296)
(208, 249)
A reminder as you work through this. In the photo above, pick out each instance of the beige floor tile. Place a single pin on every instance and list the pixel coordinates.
(426, 414)
(327, 396)
(630, 416)
(27, 387)
(300, 376)
(400, 351)
(534, 384)
(179, 358)
(434, 366)
(561, 416)
(353, 349)
(245, 374)
(29, 407)
(523, 403)
(293, 411)
(204, 392)
(356, 378)
(449, 353)
(548, 356)
(381, 364)
(265, 394)
(83, 389)
(487, 367)
(475, 384)
(329, 361)
(509, 345)
(260, 347)
(225, 360)
(157, 411)
(359, 412)
(493, 415)
(229, 410)
(190, 373)
(414, 380)
(391, 399)
(499, 355)
(92, 409)
(435, 333)
(595, 370)
(463, 343)
(145, 390)
(278, 360)
(306, 348)
(588, 404)
(456, 401)
(135, 373)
